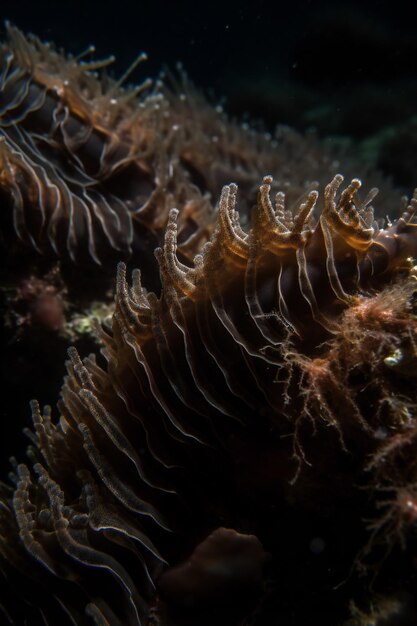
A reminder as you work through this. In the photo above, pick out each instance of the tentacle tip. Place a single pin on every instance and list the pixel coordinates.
(121, 269)
(173, 215)
(335, 183)
(72, 352)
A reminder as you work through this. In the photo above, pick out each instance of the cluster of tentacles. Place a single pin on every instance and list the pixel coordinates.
(250, 414)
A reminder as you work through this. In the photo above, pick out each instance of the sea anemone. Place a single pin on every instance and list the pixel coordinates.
(246, 407)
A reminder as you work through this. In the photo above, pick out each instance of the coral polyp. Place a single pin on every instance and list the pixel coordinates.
(248, 440)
